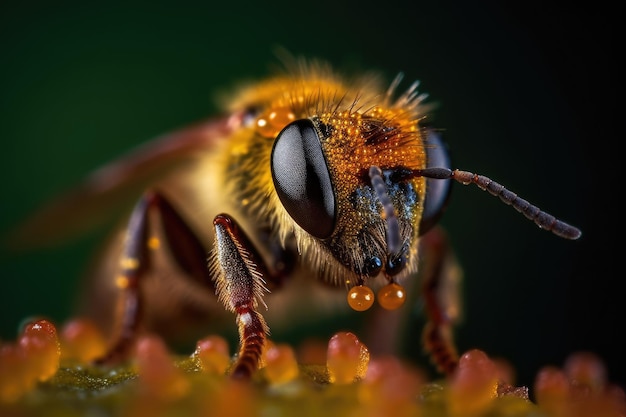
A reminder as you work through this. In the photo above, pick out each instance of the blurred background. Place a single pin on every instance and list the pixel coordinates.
(526, 93)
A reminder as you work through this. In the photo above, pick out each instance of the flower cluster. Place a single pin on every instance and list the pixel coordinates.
(45, 372)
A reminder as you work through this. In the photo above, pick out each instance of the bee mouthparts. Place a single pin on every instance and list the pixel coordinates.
(391, 220)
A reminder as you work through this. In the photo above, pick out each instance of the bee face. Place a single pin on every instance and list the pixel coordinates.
(350, 223)
(321, 172)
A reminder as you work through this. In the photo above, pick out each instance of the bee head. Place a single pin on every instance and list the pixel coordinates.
(342, 179)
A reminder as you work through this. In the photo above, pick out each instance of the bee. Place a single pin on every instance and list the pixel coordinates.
(306, 178)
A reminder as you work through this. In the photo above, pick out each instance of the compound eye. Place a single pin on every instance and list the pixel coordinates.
(437, 191)
(302, 180)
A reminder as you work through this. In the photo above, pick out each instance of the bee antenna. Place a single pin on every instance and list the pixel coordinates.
(541, 218)
(391, 220)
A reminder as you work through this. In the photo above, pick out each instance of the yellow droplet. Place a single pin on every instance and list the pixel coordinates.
(212, 354)
(391, 296)
(40, 345)
(15, 380)
(121, 281)
(346, 358)
(552, 390)
(270, 124)
(158, 375)
(129, 263)
(154, 243)
(586, 369)
(474, 384)
(81, 340)
(280, 364)
(360, 298)
(390, 387)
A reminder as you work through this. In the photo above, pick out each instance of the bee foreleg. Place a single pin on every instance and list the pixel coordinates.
(441, 277)
(240, 284)
(136, 261)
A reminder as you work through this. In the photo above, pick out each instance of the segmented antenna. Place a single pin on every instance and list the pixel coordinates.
(541, 218)
(391, 221)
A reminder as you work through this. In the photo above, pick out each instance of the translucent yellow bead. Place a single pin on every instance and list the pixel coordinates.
(474, 384)
(230, 398)
(81, 340)
(346, 359)
(586, 369)
(552, 390)
(360, 298)
(280, 364)
(160, 379)
(212, 354)
(391, 296)
(270, 124)
(14, 381)
(41, 348)
(390, 387)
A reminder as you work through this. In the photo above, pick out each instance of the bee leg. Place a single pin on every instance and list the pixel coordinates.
(240, 285)
(186, 249)
(441, 278)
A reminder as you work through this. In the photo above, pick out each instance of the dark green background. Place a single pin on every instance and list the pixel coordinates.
(526, 93)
